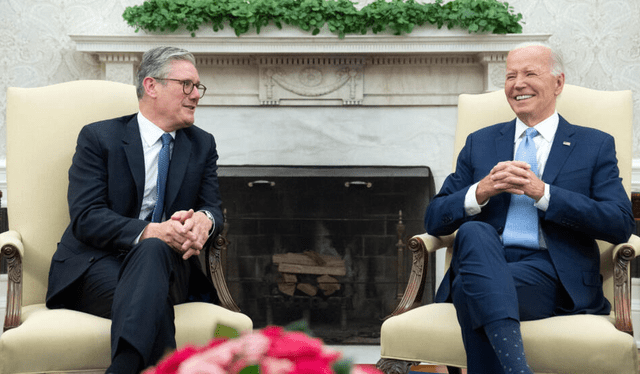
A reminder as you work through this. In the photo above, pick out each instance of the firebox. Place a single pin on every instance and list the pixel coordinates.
(322, 243)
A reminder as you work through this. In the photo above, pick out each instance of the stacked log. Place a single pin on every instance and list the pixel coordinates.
(294, 266)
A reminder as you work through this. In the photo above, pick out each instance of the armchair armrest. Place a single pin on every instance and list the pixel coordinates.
(622, 256)
(214, 257)
(421, 245)
(12, 249)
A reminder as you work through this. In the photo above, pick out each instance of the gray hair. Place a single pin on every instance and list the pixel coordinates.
(156, 63)
(556, 63)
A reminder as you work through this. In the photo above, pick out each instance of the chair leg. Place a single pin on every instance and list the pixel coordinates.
(391, 366)
(454, 370)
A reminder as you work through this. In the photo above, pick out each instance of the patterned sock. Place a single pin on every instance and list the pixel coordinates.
(506, 340)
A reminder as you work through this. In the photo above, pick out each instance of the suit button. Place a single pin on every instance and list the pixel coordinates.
(92, 259)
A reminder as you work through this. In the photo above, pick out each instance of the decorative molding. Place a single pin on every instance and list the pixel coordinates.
(495, 70)
(291, 68)
(324, 80)
(289, 42)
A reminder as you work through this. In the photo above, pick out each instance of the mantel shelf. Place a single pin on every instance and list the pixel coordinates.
(273, 41)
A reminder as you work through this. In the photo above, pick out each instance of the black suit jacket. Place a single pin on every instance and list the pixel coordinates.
(588, 202)
(106, 183)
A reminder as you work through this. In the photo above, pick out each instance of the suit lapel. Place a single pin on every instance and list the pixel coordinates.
(504, 150)
(505, 142)
(177, 167)
(132, 145)
(561, 148)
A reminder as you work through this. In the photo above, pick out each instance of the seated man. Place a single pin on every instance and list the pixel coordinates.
(143, 200)
(529, 198)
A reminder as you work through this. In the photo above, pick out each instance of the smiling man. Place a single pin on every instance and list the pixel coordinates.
(143, 199)
(529, 198)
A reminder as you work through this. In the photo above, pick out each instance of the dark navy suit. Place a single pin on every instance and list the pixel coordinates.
(588, 202)
(106, 183)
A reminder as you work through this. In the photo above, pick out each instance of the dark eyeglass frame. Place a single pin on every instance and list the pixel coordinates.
(186, 83)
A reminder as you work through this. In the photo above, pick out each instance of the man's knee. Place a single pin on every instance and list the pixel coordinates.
(474, 230)
(151, 253)
(475, 235)
(153, 247)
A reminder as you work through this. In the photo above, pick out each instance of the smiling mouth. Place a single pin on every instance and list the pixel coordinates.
(523, 97)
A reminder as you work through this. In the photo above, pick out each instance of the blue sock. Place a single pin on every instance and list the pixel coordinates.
(506, 340)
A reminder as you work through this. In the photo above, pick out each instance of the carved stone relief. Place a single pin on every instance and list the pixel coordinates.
(308, 80)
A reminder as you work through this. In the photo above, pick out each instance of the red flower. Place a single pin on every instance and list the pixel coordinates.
(273, 350)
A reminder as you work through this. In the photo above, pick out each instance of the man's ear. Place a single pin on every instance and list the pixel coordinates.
(150, 87)
(559, 84)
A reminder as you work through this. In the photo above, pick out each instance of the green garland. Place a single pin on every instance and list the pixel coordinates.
(341, 16)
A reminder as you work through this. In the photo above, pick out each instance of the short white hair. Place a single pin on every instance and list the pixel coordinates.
(557, 66)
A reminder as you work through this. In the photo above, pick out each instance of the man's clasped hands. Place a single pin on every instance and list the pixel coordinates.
(186, 232)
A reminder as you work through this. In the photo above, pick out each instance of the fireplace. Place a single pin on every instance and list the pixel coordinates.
(324, 244)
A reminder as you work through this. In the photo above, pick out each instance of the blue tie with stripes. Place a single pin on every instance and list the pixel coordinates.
(521, 228)
(163, 170)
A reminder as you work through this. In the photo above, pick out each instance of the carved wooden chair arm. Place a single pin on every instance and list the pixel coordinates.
(214, 264)
(622, 256)
(421, 245)
(12, 250)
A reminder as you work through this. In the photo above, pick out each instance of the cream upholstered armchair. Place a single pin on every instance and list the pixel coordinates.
(564, 344)
(42, 128)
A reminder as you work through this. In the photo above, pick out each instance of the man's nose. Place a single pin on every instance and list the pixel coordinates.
(520, 82)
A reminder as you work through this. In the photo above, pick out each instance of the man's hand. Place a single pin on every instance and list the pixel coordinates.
(186, 232)
(197, 224)
(513, 177)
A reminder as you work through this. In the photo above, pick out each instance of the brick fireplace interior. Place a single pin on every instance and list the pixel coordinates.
(344, 229)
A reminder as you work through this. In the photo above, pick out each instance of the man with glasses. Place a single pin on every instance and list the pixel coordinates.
(143, 199)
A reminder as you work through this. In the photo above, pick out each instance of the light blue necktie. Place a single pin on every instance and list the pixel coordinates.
(521, 228)
(163, 170)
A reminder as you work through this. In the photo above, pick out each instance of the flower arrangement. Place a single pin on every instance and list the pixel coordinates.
(272, 350)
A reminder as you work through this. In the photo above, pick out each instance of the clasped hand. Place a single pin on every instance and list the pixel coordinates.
(513, 177)
(186, 232)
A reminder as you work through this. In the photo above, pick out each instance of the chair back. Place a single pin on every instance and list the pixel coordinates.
(609, 111)
(42, 128)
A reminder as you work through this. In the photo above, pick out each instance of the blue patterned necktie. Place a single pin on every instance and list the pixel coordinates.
(521, 228)
(163, 170)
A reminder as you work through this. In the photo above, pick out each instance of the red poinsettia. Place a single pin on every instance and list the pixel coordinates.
(272, 350)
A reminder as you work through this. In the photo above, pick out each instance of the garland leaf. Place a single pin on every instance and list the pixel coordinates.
(340, 16)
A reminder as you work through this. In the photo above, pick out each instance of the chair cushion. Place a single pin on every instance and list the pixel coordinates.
(563, 344)
(53, 340)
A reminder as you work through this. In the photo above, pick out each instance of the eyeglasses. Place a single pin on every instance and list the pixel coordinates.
(187, 85)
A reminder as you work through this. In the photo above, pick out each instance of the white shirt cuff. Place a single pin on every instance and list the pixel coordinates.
(543, 203)
(471, 206)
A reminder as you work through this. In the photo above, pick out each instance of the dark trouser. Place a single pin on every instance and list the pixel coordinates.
(138, 292)
(490, 283)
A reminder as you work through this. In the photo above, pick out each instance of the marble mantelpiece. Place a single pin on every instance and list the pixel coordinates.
(426, 67)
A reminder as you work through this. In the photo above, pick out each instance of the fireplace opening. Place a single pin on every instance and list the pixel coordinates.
(323, 243)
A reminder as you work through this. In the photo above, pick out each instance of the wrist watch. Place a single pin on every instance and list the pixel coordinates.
(210, 216)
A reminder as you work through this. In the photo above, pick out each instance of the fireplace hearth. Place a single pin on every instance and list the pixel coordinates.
(321, 243)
